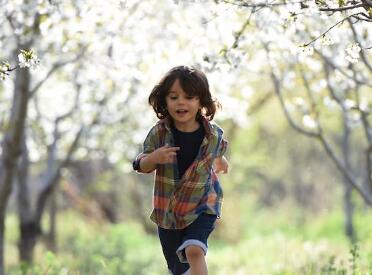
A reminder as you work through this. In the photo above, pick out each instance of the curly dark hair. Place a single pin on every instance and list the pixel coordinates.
(193, 82)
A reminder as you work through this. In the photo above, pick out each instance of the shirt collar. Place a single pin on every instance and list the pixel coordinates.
(209, 133)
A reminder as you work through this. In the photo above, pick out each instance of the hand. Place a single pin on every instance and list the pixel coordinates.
(163, 155)
(221, 165)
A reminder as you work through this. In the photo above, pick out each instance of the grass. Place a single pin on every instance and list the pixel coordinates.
(269, 241)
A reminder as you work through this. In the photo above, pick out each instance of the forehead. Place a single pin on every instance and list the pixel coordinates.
(182, 87)
(176, 87)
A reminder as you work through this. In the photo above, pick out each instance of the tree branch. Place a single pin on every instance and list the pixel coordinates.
(51, 182)
(363, 114)
(329, 29)
(369, 167)
(333, 66)
(38, 121)
(361, 53)
(266, 4)
(260, 103)
(367, 196)
(350, 178)
(13, 27)
(73, 108)
(54, 68)
(277, 89)
(342, 8)
(310, 95)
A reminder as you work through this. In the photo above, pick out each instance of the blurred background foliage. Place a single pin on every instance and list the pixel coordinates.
(287, 207)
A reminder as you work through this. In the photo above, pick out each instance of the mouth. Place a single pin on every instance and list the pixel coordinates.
(181, 111)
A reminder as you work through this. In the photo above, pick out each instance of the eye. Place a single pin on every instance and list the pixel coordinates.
(173, 97)
(190, 97)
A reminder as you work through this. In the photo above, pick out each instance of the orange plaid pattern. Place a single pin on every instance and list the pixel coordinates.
(177, 203)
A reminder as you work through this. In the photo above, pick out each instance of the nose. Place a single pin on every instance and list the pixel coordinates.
(181, 100)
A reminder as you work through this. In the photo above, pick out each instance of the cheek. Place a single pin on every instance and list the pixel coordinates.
(169, 104)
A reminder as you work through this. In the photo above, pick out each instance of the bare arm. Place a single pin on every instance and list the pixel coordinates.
(221, 165)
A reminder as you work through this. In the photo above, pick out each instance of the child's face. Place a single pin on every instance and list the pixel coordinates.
(182, 107)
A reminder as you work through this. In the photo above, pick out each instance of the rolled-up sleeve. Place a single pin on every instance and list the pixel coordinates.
(149, 145)
(222, 147)
(222, 144)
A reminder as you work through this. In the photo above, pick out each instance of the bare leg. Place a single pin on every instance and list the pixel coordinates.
(196, 259)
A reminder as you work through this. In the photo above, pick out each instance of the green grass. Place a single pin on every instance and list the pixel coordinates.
(270, 241)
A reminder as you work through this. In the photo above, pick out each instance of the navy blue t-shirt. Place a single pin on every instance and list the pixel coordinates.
(189, 143)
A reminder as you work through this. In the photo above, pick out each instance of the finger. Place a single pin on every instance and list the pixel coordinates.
(173, 149)
(221, 171)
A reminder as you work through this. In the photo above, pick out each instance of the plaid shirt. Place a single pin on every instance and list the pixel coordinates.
(177, 203)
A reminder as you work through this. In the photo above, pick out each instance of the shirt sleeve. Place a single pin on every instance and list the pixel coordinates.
(150, 143)
(221, 144)
(222, 148)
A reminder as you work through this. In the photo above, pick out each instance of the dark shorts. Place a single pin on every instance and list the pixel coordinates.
(175, 241)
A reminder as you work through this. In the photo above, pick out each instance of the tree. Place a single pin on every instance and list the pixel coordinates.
(320, 83)
(83, 48)
(360, 10)
(11, 146)
(25, 23)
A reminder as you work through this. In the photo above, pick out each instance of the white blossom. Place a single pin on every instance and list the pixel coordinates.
(348, 103)
(329, 102)
(28, 59)
(309, 122)
(3, 75)
(307, 51)
(289, 107)
(363, 105)
(352, 52)
(312, 10)
(4, 70)
(327, 40)
(299, 101)
(332, 3)
(351, 59)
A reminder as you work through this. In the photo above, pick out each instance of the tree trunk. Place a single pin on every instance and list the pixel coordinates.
(347, 200)
(2, 234)
(348, 213)
(30, 221)
(51, 168)
(28, 229)
(52, 234)
(29, 232)
(11, 148)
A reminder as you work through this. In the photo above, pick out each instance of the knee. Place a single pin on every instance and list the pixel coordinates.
(194, 252)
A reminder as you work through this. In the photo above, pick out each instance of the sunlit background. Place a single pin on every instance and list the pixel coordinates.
(294, 81)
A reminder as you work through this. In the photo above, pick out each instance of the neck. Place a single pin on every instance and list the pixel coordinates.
(187, 127)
